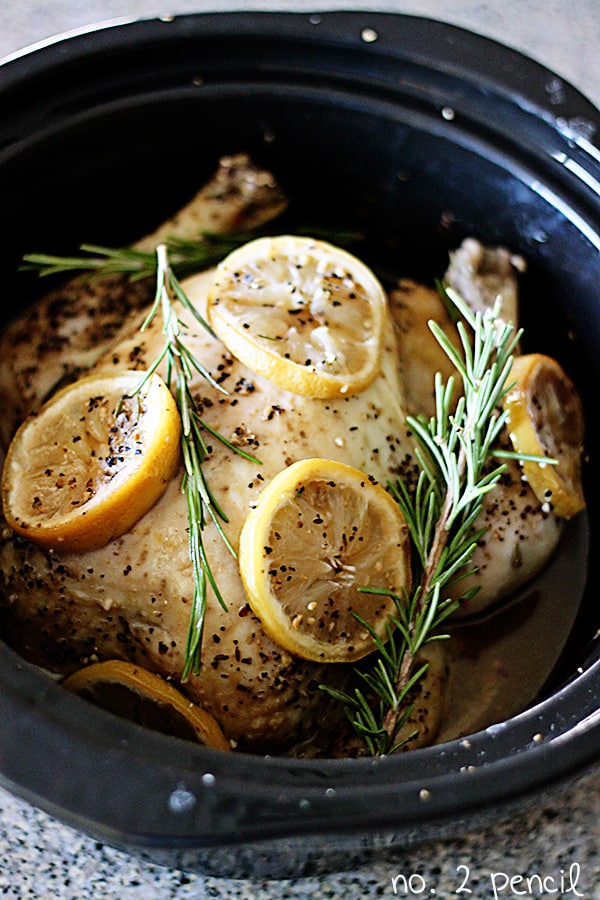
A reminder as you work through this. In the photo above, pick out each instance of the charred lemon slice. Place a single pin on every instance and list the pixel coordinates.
(84, 468)
(147, 699)
(305, 314)
(546, 419)
(320, 531)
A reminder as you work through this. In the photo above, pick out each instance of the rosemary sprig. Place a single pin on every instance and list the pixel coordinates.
(202, 506)
(186, 256)
(455, 452)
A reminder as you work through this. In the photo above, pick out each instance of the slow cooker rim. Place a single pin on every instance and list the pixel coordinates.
(572, 743)
(462, 777)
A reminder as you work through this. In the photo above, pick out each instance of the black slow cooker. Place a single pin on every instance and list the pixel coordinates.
(419, 133)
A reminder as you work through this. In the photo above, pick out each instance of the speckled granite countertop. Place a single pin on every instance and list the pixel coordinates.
(556, 846)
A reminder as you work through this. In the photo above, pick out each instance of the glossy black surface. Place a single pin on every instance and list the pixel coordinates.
(421, 136)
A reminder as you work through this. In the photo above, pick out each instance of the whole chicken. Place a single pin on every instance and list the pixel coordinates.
(131, 599)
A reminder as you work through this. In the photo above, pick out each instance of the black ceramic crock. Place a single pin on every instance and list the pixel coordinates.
(420, 133)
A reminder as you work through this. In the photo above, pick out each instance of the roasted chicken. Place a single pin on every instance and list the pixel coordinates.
(131, 598)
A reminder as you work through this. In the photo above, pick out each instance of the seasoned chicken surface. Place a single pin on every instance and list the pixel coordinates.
(521, 537)
(65, 333)
(131, 599)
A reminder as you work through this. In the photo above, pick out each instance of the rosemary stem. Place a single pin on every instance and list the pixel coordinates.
(394, 714)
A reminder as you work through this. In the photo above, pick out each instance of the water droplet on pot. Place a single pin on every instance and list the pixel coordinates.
(368, 35)
(181, 800)
(555, 90)
(539, 236)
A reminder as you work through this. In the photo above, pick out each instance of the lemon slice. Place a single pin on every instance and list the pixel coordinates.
(546, 419)
(147, 699)
(305, 314)
(320, 531)
(84, 468)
